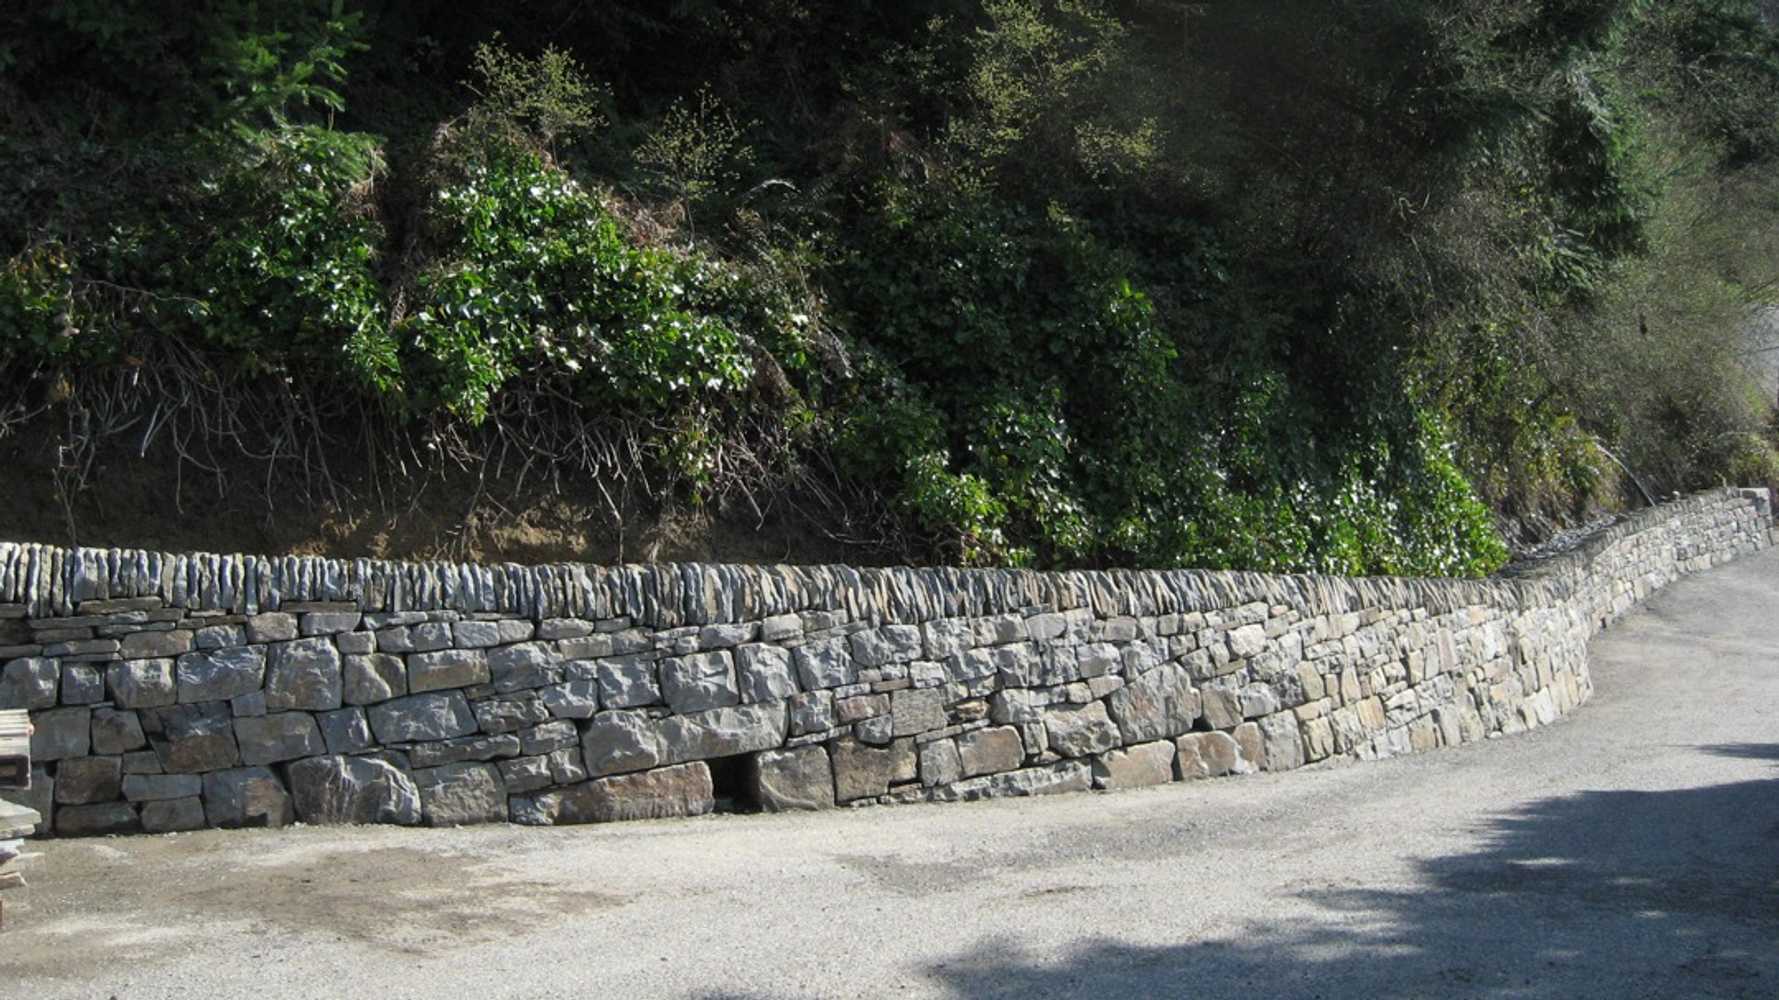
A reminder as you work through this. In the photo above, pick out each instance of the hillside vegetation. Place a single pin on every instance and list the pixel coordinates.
(1351, 286)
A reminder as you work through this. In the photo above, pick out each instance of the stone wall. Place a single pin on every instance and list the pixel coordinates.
(176, 692)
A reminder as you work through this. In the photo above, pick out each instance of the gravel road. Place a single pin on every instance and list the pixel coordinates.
(1630, 851)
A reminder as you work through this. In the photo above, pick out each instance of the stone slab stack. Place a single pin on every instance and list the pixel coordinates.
(173, 692)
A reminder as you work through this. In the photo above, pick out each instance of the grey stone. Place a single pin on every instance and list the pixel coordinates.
(765, 673)
(1249, 744)
(303, 674)
(864, 772)
(142, 683)
(154, 645)
(990, 751)
(1209, 755)
(461, 794)
(345, 731)
(99, 820)
(1065, 776)
(220, 636)
(250, 705)
(916, 711)
(116, 732)
(799, 779)
(567, 766)
(510, 713)
(246, 797)
(877, 731)
(1222, 704)
(368, 678)
(173, 815)
(722, 732)
(571, 699)
(1080, 730)
(29, 683)
(464, 748)
(152, 787)
(1157, 705)
(663, 793)
(221, 674)
(549, 737)
(940, 763)
(522, 666)
(525, 774)
(82, 685)
(356, 643)
(61, 733)
(272, 626)
(563, 628)
(337, 789)
(699, 682)
(476, 635)
(421, 717)
(278, 737)
(1135, 767)
(781, 627)
(620, 741)
(1282, 742)
(1246, 641)
(812, 712)
(825, 663)
(319, 623)
(627, 682)
(1258, 700)
(85, 780)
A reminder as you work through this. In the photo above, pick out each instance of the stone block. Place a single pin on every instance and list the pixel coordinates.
(786, 780)
(549, 737)
(142, 683)
(699, 682)
(461, 794)
(420, 717)
(1135, 767)
(100, 820)
(940, 763)
(61, 733)
(812, 712)
(1156, 705)
(627, 682)
(525, 774)
(765, 673)
(825, 663)
(221, 674)
(39, 798)
(273, 626)
(571, 699)
(345, 730)
(664, 793)
(173, 815)
(619, 741)
(1051, 779)
(369, 678)
(154, 645)
(219, 636)
(116, 732)
(303, 674)
(82, 684)
(914, 712)
(278, 737)
(990, 751)
(246, 797)
(864, 772)
(155, 787)
(523, 666)
(337, 789)
(1080, 730)
(1209, 755)
(86, 780)
(446, 669)
(510, 713)
(1282, 742)
(30, 682)
(454, 751)
(722, 732)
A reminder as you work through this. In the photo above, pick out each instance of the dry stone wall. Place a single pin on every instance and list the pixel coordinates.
(175, 692)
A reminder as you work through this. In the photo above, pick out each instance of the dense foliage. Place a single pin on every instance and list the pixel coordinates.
(1333, 285)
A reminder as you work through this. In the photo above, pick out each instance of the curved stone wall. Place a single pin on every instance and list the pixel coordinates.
(174, 692)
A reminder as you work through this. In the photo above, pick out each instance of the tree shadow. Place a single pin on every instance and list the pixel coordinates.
(1599, 894)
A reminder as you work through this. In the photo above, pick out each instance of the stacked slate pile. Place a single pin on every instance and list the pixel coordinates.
(16, 822)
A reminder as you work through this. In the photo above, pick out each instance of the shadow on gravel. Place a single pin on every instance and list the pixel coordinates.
(1601, 894)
